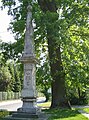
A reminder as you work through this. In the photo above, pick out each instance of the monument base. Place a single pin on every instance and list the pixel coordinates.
(26, 116)
(31, 110)
(29, 106)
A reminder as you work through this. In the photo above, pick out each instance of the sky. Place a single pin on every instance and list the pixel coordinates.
(5, 35)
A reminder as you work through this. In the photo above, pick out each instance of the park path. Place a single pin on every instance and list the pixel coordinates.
(13, 105)
(82, 111)
(10, 105)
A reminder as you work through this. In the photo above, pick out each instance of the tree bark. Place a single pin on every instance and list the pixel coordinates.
(59, 98)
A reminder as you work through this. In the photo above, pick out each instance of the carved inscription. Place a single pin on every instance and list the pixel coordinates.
(28, 75)
(28, 78)
(28, 66)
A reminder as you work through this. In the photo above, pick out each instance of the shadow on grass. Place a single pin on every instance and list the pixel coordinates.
(61, 113)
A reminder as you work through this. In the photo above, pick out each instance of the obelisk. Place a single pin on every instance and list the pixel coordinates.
(29, 109)
(29, 61)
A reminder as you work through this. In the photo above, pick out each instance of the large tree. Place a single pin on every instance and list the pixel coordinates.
(59, 98)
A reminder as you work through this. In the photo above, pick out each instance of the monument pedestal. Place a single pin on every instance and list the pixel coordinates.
(29, 107)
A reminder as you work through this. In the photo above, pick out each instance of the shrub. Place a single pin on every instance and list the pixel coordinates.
(3, 113)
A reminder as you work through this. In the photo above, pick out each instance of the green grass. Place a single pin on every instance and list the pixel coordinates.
(86, 110)
(45, 105)
(56, 114)
(3, 113)
(62, 114)
(65, 114)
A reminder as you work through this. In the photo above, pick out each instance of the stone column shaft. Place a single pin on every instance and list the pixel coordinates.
(29, 61)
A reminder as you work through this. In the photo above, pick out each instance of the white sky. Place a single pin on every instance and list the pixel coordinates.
(5, 35)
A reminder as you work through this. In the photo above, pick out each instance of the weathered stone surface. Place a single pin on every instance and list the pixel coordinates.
(29, 41)
(22, 116)
(29, 109)
(29, 61)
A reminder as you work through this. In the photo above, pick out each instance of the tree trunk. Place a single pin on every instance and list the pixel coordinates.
(59, 98)
(79, 92)
(58, 84)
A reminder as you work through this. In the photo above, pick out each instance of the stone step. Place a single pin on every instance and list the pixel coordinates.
(24, 115)
(19, 116)
(15, 118)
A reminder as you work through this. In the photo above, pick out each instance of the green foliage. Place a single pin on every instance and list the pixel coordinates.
(3, 113)
(10, 78)
(76, 59)
(17, 84)
(43, 79)
(5, 76)
(2, 60)
(12, 50)
(10, 95)
(11, 69)
(10, 53)
(69, 27)
(14, 69)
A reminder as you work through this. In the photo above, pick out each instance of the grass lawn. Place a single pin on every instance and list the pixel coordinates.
(86, 109)
(62, 114)
(56, 114)
(65, 115)
(3, 113)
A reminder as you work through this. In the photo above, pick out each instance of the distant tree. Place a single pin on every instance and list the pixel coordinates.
(43, 79)
(11, 69)
(15, 76)
(17, 83)
(5, 76)
(11, 54)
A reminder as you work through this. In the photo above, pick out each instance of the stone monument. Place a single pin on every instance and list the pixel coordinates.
(29, 108)
(29, 61)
